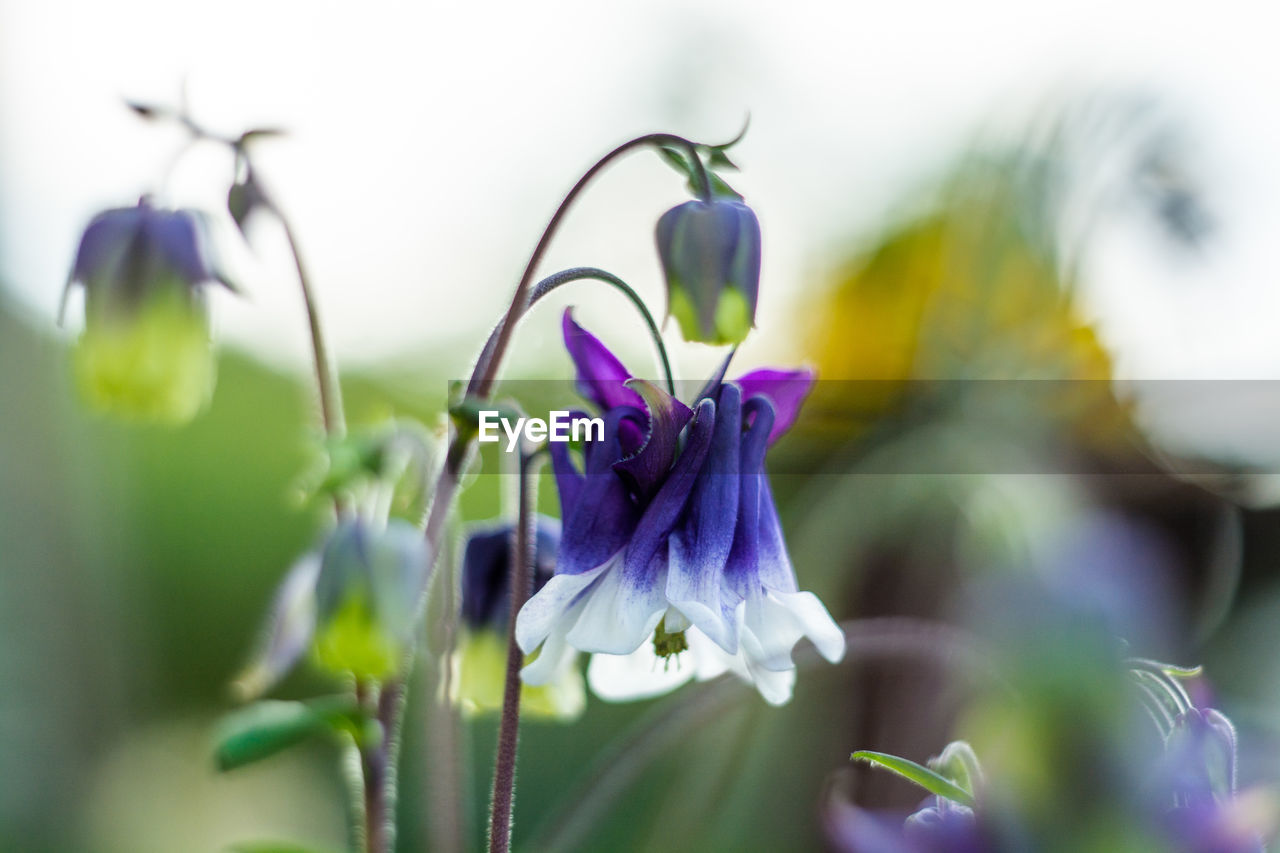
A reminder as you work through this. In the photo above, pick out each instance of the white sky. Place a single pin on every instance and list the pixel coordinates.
(429, 142)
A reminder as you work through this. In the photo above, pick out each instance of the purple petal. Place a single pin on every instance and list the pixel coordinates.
(741, 570)
(712, 388)
(647, 468)
(659, 518)
(568, 478)
(486, 570)
(290, 626)
(177, 239)
(785, 389)
(105, 242)
(600, 517)
(854, 830)
(701, 543)
(601, 376)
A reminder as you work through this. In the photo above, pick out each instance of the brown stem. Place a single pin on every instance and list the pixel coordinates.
(378, 761)
(486, 371)
(521, 580)
(330, 392)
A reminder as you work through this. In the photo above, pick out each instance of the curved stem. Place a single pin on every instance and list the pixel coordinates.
(330, 392)
(521, 583)
(486, 371)
(564, 277)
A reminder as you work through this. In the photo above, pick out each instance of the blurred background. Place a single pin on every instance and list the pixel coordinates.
(955, 199)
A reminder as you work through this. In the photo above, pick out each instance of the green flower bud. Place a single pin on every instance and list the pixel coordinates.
(710, 253)
(146, 351)
(366, 598)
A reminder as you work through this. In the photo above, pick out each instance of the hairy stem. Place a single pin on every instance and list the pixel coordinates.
(557, 280)
(486, 370)
(378, 763)
(521, 580)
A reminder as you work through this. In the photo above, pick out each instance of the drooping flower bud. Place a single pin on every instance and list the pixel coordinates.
(145, 352)
(1201, 754)
(351, 602)
(710, 252)
(367, 594)
(481, 655)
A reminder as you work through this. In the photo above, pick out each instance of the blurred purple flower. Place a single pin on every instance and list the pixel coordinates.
(486, 570)
(938, 826)
(145, 351)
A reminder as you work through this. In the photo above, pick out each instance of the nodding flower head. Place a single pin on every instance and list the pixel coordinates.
(366, 597)
(351, 602)
(710, 253)
(145, 352)
(481, 654)
(671, 546)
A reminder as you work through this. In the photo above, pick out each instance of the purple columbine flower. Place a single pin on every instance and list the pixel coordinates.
(671, 540)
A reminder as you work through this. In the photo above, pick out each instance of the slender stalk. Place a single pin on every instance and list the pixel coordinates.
(330, 394)
(326, 383)
(557, 280)
(378, 763)
(522, 552)
(486, 371)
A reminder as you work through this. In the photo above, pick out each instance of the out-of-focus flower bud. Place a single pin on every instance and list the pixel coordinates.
(1201, 755)
(710, 252)
(367, 593)
(145, 352)
(480, 660)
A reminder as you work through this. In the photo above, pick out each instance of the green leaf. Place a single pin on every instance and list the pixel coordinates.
(265, 728)
(719, 188)
(922, 776)
(677, 160)
(959, 763)
(718, 159)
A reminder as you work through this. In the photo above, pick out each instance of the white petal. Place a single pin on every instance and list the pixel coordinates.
(553, 657)
(674, 621)
(775, 622)
(708, 659)
(769, 632)
(538, 618)
(816, 623)
(774, 686)
(638, 675)
(617, 616)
